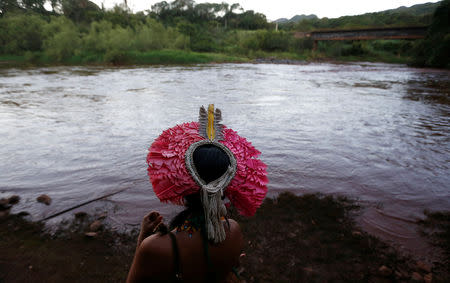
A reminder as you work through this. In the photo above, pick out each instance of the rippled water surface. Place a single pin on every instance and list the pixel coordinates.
(376, 132)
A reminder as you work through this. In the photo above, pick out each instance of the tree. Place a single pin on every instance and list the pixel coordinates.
(34, 5)
(21, 32)
(228, 10)
(206, 11)
(79, 10)
(8, 6)
(433, 51)
(160, 7)
(251, 20)
(56, 6)
(62, 39)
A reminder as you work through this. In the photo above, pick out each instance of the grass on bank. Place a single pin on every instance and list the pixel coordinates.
(309, 238)
(114, 57)
(12, 59)
(182, 57)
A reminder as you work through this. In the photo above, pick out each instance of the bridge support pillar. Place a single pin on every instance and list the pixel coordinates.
(315, 45)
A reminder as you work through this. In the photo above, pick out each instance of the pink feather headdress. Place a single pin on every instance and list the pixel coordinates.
(173, 177)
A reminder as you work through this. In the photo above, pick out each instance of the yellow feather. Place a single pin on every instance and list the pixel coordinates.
(210, 130)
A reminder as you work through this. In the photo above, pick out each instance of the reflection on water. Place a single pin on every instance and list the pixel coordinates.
(376, 132)
(436, 89)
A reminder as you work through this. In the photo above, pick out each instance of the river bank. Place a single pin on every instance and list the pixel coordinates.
(181, 57)
(310, 238)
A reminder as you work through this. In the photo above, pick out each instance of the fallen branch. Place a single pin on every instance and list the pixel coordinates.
(84, 203)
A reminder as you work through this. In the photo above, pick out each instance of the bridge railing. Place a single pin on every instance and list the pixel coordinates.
(366, 34)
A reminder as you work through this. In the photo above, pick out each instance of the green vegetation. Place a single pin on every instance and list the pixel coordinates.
(78, 31)
(183, 32)
(417, 15)
(434, 50)
(390, 51)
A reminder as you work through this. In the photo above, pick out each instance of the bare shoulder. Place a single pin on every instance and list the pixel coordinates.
(234, 227)
(155, 246)
(153, 258)
(233, 223)
(234, 235)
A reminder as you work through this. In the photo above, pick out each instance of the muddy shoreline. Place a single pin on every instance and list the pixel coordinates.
(311, 238)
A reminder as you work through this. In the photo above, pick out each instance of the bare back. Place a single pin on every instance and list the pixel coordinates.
(154, 260)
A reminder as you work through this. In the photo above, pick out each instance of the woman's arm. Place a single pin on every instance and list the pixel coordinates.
(142, 256)
(149, 226)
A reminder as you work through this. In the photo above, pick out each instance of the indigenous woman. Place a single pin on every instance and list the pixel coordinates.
(203, 166)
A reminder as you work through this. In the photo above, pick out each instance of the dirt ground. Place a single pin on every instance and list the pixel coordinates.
(309, 238)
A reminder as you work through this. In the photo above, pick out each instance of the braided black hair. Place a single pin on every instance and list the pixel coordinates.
(211, 162)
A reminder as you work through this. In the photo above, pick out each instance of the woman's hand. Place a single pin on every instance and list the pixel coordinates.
(149, 225)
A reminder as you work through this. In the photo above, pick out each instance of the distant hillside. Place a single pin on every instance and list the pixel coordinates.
(281, 20)
(418, 10)
(419, 14)
(297, 18)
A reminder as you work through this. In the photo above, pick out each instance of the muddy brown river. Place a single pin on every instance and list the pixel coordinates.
(378, 133)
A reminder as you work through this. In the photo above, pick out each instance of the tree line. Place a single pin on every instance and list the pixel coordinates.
(81, 29)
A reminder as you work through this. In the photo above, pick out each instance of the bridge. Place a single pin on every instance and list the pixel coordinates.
(365, 34)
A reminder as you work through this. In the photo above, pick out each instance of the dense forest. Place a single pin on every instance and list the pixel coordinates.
(182, 31)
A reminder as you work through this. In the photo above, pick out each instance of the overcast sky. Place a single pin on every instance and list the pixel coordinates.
(289, 8)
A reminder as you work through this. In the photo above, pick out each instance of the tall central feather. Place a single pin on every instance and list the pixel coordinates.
(210, 123)
(210, 130)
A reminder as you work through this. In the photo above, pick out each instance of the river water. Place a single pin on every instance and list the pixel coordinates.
(376, 132)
